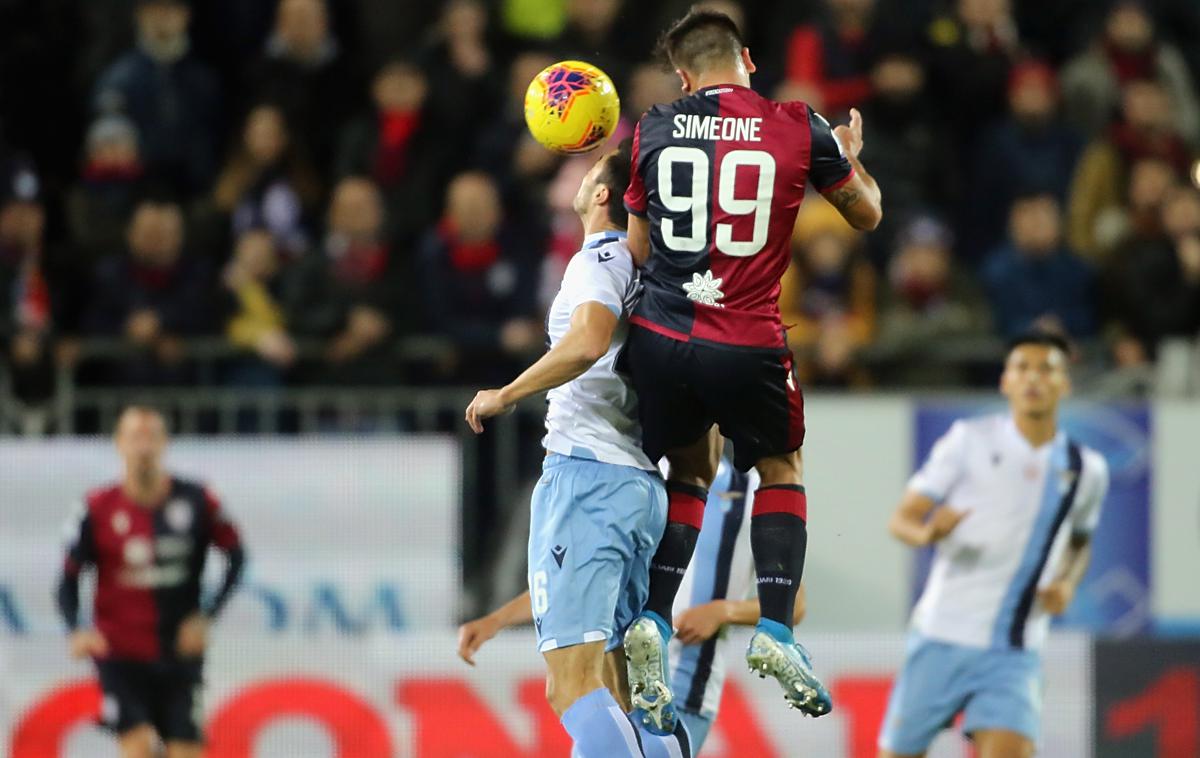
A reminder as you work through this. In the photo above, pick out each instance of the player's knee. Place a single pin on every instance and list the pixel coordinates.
(138, 742)
(564, 687)
(781, 469)
(184, 750)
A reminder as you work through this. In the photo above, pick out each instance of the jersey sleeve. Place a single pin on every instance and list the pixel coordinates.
(828, 167)
(1093, 489)
(78, 539)
(944, 467)
(224, 533)
(598, 276)
(635, 195)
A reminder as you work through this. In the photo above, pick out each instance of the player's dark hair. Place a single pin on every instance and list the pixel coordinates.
(615, 176)
(1041, 337)
(701, 40)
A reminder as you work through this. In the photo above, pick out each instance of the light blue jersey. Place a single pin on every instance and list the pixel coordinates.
(600, 507)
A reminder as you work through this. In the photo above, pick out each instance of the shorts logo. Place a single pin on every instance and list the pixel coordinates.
(537, 621)
(178, 515)
(605, 255)
(559, 552)
(110, 709)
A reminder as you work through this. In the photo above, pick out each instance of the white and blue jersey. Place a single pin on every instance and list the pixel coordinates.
(595, 416)
(722, 568)
(600, 506)
(977, 627)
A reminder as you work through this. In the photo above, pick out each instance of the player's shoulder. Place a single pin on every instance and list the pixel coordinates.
(986, 426)
(102, 497)
(1093, 464)
(611, 257)
(196, 492)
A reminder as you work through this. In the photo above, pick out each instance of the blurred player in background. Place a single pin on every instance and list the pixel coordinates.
(718, 177)
(713, 595)
(148, 538)
(599, 508)
(1010, 502)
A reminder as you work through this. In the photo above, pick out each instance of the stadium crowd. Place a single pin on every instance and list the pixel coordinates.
(316, 183)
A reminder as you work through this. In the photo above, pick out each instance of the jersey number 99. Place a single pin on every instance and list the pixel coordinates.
(693, 199)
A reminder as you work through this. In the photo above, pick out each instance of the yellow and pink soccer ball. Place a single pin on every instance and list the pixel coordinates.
(571, 107)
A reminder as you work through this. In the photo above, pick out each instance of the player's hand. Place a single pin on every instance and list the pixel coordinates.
(1056, 596)
(473, 634)
(850, 137)
(192, 637)
(700, 623)
(487, 403)
(88, 643)
(942, 522)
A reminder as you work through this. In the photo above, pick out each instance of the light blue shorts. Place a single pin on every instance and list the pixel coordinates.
(993, 689)
(593, 529)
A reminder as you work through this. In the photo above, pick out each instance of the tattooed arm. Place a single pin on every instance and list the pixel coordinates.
(859, 199)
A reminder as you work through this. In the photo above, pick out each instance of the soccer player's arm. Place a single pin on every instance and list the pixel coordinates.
(224, 537)
(838, 174)
(473, 634)
(1057, 595)
(597, 289)
(81, 551)
(636, 204)
(922, 518)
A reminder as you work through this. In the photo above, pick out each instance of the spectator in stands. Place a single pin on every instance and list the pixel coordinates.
(1127, 51)
(1030, 149)
(1034, 278)
(353, 291)
(171, 96)
(971, 51)
(110, 185)
(256, 322)
(398, 145)
(595, 31)
(307, 73)
(460, 67)
(154, 295)
(1147, 129)
(505, 147)
(906, 146)
(25, 307)
(827, 299)
(479, 280)
(829, 59)
(1139, 218)
(268, 182)
(1152, 284)
(929, 301)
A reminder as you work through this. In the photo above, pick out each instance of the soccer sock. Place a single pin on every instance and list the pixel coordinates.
(778, 538)
(672, 745)
(600, 728)
(685, 514)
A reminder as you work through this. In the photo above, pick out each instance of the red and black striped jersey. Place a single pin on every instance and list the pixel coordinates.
(720, 176)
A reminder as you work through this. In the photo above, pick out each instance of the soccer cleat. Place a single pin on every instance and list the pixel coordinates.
(790, 665)
(646, 660)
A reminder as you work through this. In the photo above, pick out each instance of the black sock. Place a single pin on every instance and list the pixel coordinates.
(779, 539)
(685, 515)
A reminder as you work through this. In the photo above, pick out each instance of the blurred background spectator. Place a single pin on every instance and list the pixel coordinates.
(171, 95)
(1033, 279)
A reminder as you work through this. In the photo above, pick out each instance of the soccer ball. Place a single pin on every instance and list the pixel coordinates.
(571, 107)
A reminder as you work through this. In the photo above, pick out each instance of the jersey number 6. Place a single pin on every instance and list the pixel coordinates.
(694, 199)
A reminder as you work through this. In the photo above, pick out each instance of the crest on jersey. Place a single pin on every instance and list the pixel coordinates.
(705, 290)
(120, 523)
(178, 515)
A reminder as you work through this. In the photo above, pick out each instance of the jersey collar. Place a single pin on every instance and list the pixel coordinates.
(602, 238)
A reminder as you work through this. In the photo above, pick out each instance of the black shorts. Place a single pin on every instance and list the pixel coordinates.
(685, 387)
(163, 694)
